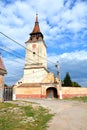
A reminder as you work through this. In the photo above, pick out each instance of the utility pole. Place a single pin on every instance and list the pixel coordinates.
(58, 70)
(58, 67)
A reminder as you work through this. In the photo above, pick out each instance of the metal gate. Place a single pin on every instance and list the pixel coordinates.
(8, 93)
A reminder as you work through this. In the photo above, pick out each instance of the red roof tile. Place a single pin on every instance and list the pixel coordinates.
(30, 85)
(36, 27)
(36, 34)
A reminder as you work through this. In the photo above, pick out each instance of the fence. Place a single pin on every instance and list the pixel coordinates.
(8, 93)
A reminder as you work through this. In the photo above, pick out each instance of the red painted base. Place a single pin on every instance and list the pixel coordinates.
(73, 95)
(44, 96)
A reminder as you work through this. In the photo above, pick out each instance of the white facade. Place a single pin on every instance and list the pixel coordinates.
(36, 54)
(34, 75)
(36, 62)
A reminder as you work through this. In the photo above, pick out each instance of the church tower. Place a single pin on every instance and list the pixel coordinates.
(37, 81)
(36, 57)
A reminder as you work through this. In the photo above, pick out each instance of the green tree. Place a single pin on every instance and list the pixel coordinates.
(75, 84)
(67, 80)
(5, 85)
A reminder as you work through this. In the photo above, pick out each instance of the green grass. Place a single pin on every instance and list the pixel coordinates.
(83, 99)
(15, 117)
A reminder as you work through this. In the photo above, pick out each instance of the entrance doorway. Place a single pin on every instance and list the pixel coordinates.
(8, 93)
(51, 92)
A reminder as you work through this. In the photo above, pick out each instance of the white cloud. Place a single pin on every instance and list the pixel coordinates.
(63, 26)
(22, 13)
(64, 46)
(14, 67)
(75, 63)
(68, 57)
(75, 56)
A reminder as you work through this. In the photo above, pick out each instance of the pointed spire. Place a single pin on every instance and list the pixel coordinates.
(36, 18)
(36, 34)
(36, 26)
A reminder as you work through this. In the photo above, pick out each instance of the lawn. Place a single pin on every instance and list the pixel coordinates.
(22, 115)
(83, 99)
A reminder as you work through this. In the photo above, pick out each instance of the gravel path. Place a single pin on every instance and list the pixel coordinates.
(69, 115)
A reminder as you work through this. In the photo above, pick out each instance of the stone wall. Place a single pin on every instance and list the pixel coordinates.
(68, 92)
(28, 92)
(33, 91)
(1, 87)
(40, 91)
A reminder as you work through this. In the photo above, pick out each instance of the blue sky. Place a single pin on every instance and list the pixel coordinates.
(64, 26)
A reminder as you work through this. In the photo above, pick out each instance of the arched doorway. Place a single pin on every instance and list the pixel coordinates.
(51, 92)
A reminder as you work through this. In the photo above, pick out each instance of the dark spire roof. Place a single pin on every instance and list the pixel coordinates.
(36, 34)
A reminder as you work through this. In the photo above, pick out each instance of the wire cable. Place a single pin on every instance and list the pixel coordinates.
(17, 57)
(23, 46)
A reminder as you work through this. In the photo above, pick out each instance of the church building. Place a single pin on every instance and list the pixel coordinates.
(37, 81)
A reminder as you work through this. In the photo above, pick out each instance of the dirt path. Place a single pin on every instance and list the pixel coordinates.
(69, 115)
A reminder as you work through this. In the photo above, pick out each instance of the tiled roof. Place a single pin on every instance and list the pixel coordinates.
(30, 85)
(36, 34)
(36, 27)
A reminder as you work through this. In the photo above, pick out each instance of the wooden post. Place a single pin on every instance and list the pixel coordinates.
(58, 67)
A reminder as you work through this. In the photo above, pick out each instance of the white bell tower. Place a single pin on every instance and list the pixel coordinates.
(35, 69)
